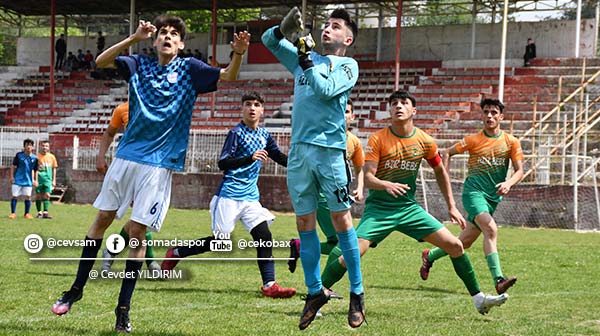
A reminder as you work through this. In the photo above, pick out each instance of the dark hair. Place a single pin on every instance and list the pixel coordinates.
(492, 102)
(340, 13)
(28, 142)
(402, 94)
(350, 102)
(45, 141)
(252, 95)
(171, 21)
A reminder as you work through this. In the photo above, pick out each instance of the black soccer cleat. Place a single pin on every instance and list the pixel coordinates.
(356, 312)
(123, 324)
(311, 307)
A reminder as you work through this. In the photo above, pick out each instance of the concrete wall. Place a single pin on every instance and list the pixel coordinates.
(451, 42)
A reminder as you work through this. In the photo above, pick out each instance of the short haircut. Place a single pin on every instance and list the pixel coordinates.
(350, 102)
(402, 94)
(28, 142)
(166, 20)
(252, 95)
(340, 13)
(45, 141)
(492, 102)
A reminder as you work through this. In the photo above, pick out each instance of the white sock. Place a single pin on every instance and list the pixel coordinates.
(269, 284)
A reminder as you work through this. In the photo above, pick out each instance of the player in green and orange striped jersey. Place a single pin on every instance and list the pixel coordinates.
(393, 158)
(489, 153)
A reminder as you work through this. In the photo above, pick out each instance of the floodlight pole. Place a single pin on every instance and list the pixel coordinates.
(577, 28)
(52, 26)
(398, 24)
(503, 52)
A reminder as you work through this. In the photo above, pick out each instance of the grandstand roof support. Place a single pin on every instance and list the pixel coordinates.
(398, 24)
(503, 52)
(52, 26)
(213, 96)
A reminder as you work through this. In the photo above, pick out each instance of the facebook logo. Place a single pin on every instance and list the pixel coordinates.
(115, 243)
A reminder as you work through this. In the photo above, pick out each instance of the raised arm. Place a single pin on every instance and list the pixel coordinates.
(239, 45)
(144, 31)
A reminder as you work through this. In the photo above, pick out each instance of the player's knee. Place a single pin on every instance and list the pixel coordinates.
(136, 230)
(104, 219)
(454, 248)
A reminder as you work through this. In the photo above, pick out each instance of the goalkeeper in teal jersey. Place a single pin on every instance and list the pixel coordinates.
(316, 158)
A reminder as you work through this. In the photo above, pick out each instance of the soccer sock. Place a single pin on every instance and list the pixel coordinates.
(262, 233)
(13, 205)
(334, 271)
(46, 205)
(327, 246)
(149, 249)
(27, 206)
(85, 266)
(132, 269)
(310, 254)
(493, 261)
(435, 254)
(351, 253)
(38, 205)
(186, 251)
(464, 270)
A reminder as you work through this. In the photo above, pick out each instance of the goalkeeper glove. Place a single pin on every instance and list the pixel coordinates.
(291, 26)
(304, 45)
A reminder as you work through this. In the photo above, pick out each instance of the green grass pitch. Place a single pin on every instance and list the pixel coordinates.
(557, 292)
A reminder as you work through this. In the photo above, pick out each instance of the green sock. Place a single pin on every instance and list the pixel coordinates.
(327, 246)
(124, 234)
(46, 205)
(493, 261)
(435, 254)
(464, 270)
(149, 249)
(38, 205)
(334, 271)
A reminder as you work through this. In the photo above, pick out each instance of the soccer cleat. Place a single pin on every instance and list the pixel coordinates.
(46, 215)
(278, 292)
(39, 215)
(107, 261)
(311, 307)
(12, 216)
(425, 265)
(64, 303)
(154, 267)
(123, 324)
(356, 312)
(167, 264)
(503, 284)
(334, 295)
(294, 254)
(28, 216)
(490, 301)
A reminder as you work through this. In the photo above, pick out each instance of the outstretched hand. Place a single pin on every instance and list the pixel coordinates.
(260, 154)
(144, 30)
(457, 217)
(240, 42)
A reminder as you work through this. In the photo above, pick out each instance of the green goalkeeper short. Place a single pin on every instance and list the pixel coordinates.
(378, 221)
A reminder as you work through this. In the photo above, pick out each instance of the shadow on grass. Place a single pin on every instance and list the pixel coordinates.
(22, 329)
(210, 290)
(66, 274)
(417, 289)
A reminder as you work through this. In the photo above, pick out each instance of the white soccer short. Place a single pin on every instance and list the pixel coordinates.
(225, 212)
(147, 186)
(18, 190)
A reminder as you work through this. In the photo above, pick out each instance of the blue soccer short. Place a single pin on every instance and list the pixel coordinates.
(312, 169)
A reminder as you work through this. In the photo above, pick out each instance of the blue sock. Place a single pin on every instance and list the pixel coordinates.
(27, 206)
(349, 245)
(310, 255)
(13, 206)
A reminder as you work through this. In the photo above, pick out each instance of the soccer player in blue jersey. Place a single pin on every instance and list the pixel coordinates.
(23, 178)
(317, 153)
(237, 198)
(162, 93)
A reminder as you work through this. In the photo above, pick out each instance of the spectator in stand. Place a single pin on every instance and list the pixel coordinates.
(529, 52)
(71, 63)
(198, 55)
(89, 60)
(213, 62)
(61, 50)
(188, 53)
(145, 51)
(80, 58)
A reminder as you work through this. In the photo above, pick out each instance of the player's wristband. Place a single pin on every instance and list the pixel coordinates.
(237, 53)
(277, 32)
(305, 62)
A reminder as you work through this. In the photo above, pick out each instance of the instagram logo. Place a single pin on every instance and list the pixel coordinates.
(33, 243)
